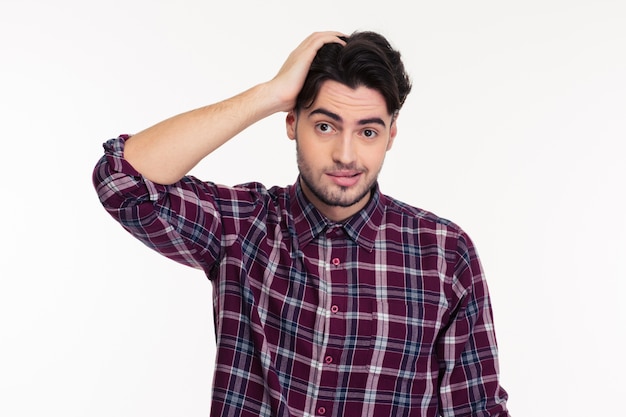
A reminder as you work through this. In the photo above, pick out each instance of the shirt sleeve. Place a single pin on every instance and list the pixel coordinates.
(180, 221)
(467, 350)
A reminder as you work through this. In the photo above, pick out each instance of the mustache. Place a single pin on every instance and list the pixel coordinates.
(345, 167)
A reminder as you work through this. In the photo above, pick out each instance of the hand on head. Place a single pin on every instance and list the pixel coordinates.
(289, 80)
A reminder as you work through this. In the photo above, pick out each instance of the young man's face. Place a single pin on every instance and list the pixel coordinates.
(341, 143)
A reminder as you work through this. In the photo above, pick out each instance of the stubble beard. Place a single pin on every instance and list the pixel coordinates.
(339, 198)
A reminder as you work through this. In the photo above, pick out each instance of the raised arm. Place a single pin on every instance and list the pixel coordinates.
(165, 152)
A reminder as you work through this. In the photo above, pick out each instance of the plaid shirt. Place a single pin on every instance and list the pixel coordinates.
(385, 314)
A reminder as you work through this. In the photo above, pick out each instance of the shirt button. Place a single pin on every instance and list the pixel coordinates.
(321, 411)
(334, 309)
(336, 261)
(328, 359)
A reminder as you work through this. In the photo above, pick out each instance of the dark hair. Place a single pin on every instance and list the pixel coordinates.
(366, 60)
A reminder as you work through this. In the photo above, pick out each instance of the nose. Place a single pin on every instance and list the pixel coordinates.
(343, 151)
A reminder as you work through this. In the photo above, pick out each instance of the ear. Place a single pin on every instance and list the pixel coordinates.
(393, 131)
(291, 122)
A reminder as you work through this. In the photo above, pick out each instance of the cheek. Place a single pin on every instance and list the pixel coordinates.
(375, 163)
(374, 156)
(313, 157)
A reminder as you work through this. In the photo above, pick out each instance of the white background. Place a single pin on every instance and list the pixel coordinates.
(514, 129)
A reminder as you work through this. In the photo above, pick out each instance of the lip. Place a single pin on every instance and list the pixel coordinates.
(345, 178)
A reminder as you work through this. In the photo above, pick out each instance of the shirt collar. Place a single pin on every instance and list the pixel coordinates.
(362, 227)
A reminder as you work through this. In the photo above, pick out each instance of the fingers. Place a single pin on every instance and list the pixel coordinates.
(317, 39)
(311, 44)
(303, 55)
(290, 78)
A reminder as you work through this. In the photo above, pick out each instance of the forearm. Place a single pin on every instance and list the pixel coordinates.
(165, 152)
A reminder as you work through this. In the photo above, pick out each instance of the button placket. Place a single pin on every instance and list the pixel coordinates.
(335, 255)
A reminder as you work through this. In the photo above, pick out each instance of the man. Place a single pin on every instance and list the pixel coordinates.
(330, 298)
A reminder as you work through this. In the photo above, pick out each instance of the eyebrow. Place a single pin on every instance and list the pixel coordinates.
(337, 118)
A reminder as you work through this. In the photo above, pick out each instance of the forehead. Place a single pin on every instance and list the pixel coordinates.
(348, 103)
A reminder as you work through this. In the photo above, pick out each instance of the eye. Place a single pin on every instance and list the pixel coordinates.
(324, 127)
(369, 133)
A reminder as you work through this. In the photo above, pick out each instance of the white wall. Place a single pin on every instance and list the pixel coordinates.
(515, 130)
